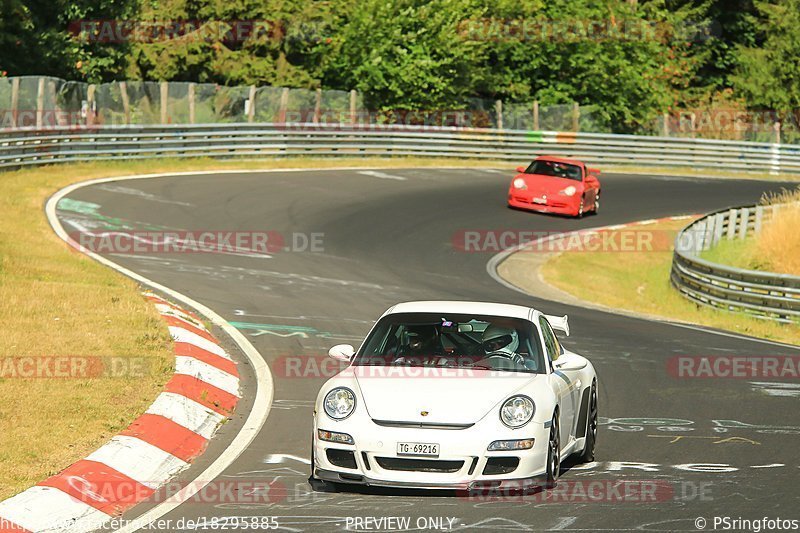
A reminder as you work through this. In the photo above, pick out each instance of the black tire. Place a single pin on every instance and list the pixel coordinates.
(587, 455)
(553, 455)
(597, 203)
(580, 207)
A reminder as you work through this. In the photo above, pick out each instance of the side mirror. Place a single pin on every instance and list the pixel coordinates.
(521, 170)
(342, 352)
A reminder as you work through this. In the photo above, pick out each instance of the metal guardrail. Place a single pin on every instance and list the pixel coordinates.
(26, 147)
(763, 294)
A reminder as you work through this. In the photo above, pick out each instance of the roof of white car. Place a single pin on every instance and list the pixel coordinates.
(476, 308)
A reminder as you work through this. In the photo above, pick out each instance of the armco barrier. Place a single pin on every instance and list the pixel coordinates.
(19, 148)
(764, 294)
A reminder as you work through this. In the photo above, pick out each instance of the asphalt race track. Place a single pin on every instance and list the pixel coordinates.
(715, 447)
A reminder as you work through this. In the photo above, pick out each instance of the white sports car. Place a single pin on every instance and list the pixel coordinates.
(455, 395)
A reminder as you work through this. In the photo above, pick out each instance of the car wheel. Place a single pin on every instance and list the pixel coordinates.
(587, 456)
(553, 455)
(597, 203)
(580, 208)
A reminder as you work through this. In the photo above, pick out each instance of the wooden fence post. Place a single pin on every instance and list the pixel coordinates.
(251, 111)
(317, 107)
(14, 101)
(126, 103)
(90, 105)
(164, 97)
(498, 110)
(191, 104)
(576, 117)
(40, 103)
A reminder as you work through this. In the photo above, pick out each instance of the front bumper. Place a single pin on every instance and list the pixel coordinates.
(463, 462)
(521, 484)
(561, 205)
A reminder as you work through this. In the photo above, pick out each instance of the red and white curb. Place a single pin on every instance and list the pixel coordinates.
(158, 445)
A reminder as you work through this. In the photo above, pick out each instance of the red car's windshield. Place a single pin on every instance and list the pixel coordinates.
(556, 169)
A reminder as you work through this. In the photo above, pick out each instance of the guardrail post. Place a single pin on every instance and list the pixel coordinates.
(251, 109)
(708, 233)
(126, 104)
(576, 116)
(719, 221)
(40, 103)
(14, 101)
(744, 222)
(731, 223)
(536, 115)
(163, 98)
(759, 218)
(498, 111)
(191, 103)
(353, 107)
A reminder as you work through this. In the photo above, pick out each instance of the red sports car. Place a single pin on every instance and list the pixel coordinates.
(556, 185)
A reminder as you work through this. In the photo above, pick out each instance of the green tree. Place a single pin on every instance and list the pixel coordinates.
(38, 37)
(768, 73)
(405, 54)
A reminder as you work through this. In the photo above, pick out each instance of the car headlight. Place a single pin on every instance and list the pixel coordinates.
(517, 411)
(339, 403)
(569, 191)
(519, 183)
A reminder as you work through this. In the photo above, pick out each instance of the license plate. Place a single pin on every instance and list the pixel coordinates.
(539, 200)
(418, 448)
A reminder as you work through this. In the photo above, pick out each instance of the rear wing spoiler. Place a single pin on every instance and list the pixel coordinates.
(560, 323)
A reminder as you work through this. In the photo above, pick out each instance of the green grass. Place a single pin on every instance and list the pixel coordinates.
(639, 282)
(740, 253)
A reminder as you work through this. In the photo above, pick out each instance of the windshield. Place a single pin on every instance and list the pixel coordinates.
(453, 341)
(556, 169)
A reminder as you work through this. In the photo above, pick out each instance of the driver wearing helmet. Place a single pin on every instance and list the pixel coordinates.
(500, 340)
(420, 340)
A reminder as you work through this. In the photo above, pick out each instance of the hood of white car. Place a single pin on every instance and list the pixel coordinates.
(450, 396)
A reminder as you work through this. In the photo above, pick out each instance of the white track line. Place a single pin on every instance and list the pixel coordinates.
(382, 175)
